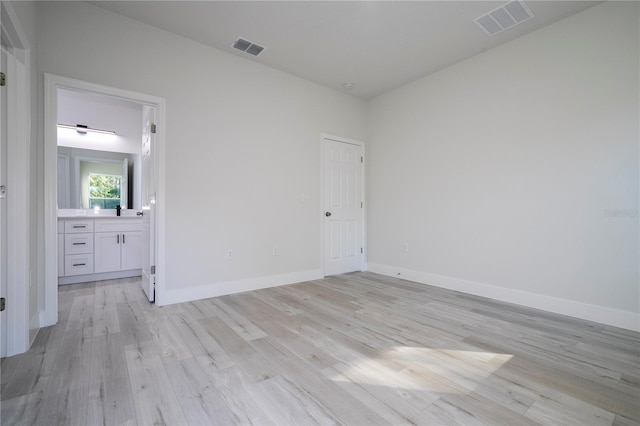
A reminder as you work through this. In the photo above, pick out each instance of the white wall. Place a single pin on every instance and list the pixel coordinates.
(500, 172)
(242, 145)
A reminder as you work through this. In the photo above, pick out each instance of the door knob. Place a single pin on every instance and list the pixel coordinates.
(327, 214)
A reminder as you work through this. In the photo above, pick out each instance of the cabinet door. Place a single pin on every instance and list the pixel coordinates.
(131, 250)
(61, 255)
(106, 249)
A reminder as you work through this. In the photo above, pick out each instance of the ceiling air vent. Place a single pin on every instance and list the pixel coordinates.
(504, 17)
(248, 46)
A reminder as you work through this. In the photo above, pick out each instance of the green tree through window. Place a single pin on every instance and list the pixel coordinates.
(104, 190)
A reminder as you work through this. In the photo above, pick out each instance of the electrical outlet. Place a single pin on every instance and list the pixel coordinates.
(276, 251)
(405, 247)
(229, 254)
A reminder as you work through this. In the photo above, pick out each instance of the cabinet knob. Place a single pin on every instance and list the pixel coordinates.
(327, 214)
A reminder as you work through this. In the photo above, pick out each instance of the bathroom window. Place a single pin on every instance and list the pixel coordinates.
(104, 191)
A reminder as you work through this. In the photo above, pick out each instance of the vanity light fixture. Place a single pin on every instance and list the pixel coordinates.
(84, 129)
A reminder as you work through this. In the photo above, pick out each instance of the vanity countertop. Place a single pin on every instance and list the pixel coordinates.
(97, 214)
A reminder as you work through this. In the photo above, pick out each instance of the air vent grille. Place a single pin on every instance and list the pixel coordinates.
(247, 46)
(254, 49)
(504, 17)
(241, 44)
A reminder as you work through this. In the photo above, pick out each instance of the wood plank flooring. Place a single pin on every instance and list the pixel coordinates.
(354, 349)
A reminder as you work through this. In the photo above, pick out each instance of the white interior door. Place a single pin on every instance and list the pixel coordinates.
(343, 207)
(148, 203)
(3, 207)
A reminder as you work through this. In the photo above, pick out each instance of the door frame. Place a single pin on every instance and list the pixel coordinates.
(363, 216)
(19, 262)
(51, 85)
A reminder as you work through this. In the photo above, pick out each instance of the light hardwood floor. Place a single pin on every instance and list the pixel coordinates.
(355, 349)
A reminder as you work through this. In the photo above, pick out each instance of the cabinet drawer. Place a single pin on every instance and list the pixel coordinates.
(78, 226)
(118, 225)
(78, 243)
(78, 264)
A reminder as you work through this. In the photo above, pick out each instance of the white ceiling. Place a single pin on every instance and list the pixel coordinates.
(378, 45)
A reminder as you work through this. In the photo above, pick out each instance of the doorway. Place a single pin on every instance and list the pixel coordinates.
(54, 84)
(343, 205)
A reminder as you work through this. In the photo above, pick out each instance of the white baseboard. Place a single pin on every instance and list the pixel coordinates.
(238, 286)
(75, 279)
(600, 314)
(34, 322)
(34, 327)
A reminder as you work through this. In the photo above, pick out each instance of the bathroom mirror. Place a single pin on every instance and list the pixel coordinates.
(97, 179)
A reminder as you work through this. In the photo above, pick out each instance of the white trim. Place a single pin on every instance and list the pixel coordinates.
(34, 323)
(18, 183)
(572, 308)
(74, 279)
(18, 203)
(363, 217)
(239, 286)
(51, 85)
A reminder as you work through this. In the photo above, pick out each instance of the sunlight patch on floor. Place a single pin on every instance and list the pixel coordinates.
(423, 369)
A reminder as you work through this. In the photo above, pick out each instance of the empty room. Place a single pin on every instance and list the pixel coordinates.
(320, 212)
